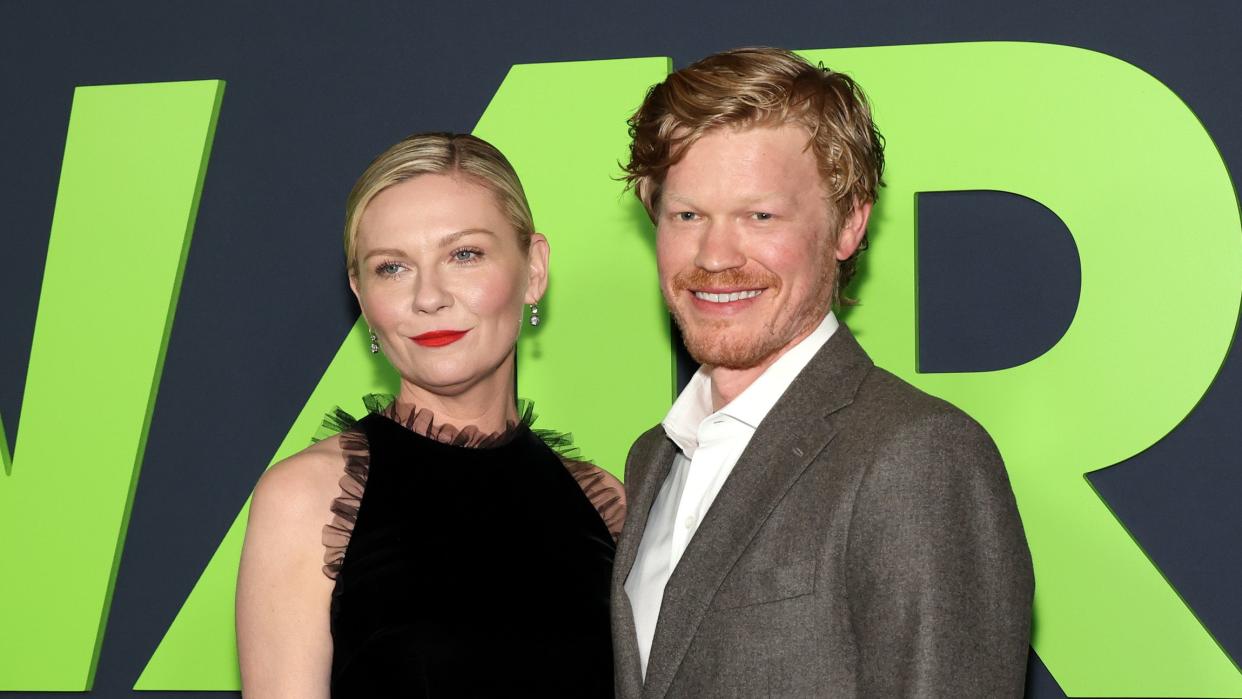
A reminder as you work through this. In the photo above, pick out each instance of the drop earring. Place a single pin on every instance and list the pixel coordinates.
(374, 343)
(534, 314)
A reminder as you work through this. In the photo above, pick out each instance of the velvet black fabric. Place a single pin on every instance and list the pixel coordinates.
(471, 572)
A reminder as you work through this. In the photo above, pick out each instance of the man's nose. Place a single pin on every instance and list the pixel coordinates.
(430, 295)
(720, 248)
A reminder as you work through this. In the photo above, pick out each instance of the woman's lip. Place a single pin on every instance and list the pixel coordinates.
(439, 338)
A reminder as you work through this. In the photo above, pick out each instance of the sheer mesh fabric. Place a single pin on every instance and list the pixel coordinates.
(603, 490)
(345, 506)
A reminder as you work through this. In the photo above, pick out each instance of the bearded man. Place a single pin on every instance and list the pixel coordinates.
(802, 523)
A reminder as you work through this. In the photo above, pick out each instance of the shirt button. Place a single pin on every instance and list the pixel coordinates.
(688, 522)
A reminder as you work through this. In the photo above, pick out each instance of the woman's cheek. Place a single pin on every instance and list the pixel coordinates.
(379, 310)
(493, 298)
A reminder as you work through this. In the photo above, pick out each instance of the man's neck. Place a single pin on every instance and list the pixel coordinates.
(728, 384)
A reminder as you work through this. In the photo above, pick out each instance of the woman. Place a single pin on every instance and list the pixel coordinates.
(464, 557)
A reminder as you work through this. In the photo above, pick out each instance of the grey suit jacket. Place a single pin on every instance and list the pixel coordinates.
(866, 544)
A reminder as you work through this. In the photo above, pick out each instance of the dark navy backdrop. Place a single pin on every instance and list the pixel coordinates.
(315, 89)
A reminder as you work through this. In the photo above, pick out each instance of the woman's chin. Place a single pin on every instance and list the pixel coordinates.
(455, 375)
(447, 383)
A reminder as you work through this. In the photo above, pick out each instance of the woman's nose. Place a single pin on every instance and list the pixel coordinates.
(430, 295)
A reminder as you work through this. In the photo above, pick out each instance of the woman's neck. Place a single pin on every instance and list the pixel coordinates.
(489, 405)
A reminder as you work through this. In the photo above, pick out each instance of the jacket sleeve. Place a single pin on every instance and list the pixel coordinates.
(939, 573)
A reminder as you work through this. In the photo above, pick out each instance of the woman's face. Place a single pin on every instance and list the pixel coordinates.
(441, 279)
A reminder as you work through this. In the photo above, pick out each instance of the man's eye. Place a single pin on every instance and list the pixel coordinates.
(763, 216)
(686, 216)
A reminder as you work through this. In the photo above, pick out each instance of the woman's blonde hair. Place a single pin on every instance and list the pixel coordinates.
(439, 154)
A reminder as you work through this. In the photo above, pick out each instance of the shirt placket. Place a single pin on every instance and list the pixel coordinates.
(707, 460)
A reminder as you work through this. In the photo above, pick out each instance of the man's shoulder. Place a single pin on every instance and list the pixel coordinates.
(892, 404)
(904, 435)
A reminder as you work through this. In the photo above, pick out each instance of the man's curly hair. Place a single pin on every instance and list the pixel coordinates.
(762, 87)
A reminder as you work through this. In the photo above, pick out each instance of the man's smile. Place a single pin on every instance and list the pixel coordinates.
(726, 296)
(716, 302)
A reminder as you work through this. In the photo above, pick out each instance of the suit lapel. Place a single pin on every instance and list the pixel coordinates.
(648, 466)
(794, 432)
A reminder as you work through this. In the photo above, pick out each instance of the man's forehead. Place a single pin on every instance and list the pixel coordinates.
(754, 150)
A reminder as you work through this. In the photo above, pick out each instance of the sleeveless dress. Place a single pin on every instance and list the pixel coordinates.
(468, 565)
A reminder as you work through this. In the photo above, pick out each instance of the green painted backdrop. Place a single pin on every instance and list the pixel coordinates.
(1100, 156)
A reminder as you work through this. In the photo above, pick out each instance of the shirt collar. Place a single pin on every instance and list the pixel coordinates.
(695, 402)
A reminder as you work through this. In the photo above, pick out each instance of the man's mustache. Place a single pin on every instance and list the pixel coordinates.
(699, 278)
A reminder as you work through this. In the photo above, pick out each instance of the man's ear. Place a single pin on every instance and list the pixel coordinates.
(853, 229)
(537, 267)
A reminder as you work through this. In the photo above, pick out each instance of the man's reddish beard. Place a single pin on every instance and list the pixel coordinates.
(726, 343)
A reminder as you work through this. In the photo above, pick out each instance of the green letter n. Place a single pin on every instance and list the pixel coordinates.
(135, 156)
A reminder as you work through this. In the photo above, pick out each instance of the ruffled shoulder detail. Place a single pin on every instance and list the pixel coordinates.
(344, 508)
(603, 490)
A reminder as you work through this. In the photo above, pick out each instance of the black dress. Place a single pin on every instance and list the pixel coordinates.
(466, 565)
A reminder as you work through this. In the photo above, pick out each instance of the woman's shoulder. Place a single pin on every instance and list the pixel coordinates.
(312, 497)
(603, 490)
(307, 479)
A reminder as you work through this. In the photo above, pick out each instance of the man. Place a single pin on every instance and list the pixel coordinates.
(803, 523)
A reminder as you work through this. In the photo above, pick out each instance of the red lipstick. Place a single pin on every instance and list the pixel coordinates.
(439, 338)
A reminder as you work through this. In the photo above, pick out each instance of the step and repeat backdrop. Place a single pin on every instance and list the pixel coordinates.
(1057, 251)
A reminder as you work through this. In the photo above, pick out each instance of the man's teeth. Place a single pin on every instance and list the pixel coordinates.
(727, 298)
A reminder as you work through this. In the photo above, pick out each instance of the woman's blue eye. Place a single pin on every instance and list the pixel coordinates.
(388, 269)
(466, 255)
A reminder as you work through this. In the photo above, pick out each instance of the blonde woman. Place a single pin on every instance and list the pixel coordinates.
(463, 556)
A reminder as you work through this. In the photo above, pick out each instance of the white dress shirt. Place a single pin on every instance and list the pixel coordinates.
(709, 445)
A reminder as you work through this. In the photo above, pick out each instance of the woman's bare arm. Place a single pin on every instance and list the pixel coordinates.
(283, 638)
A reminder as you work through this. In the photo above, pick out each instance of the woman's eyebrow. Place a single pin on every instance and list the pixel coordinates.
(386, 252)
(454, 237)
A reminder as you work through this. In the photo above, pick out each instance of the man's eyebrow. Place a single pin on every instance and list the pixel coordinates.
(773, 197)
(675, 198)
(751, 200)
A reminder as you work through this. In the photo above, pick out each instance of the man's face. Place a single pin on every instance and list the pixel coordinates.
(746, 246)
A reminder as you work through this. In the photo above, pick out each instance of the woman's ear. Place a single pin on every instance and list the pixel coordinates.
(353, 286)
(537, 267)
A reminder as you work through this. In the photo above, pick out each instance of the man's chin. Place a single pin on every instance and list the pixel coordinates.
(726, 353)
